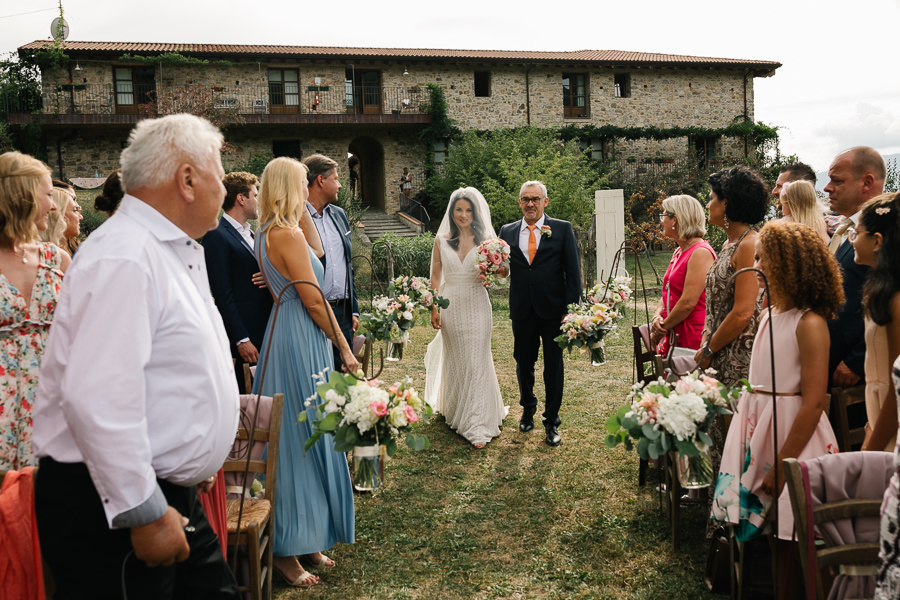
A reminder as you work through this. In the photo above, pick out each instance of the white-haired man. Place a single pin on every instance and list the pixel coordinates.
(139, 403)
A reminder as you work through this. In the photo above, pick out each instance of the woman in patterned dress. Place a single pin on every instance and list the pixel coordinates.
(30, 278)
(738, 199)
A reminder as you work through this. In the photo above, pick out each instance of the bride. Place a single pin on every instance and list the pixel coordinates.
(460, 381)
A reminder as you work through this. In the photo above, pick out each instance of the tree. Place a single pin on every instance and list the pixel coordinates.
(499, 162)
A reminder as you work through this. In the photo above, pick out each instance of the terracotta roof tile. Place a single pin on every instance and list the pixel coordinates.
(300, 52)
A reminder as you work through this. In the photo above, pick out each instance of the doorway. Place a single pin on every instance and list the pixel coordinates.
(369, 166)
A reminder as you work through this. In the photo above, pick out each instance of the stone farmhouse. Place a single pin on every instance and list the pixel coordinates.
(369, 102)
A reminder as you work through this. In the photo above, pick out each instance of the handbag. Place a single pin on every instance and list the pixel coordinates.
(680, 359)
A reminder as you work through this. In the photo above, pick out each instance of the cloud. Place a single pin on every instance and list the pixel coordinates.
(869, 123)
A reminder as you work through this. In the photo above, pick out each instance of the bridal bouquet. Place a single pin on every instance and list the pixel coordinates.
(360, 413)
(490, 255)
(615, 292)
(664, 417)
(584, 328)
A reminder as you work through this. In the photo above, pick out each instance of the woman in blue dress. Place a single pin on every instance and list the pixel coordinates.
(314, 496)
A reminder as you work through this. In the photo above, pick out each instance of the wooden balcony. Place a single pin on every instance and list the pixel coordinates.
(78, 104)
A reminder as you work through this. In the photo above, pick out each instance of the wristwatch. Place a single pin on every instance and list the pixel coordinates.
(707, 353)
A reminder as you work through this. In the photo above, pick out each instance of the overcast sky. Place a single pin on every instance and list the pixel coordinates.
(838, 86)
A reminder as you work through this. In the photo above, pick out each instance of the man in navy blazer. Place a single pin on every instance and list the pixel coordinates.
(231, 264)
(545, 277)
(856, 176)
(334, 228)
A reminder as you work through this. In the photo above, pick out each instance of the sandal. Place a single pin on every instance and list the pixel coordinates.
(305, 579)
(322, 563)
(480, 446)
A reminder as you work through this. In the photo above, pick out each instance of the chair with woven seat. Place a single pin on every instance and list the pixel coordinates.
(838, 497)
(250, 520)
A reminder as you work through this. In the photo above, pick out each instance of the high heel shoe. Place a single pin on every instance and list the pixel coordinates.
(322, 563)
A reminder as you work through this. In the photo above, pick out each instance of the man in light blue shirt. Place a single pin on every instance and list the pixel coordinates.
(334, 229)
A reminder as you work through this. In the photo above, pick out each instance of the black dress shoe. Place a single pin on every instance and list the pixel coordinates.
(526, 423)
(553, 438)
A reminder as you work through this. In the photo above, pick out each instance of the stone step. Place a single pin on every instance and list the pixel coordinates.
(378, 223)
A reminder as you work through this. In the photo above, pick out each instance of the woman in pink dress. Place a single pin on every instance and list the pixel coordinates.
(682, 308)
(805, 285)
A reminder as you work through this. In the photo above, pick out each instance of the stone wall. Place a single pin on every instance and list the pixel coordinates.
(518, 95)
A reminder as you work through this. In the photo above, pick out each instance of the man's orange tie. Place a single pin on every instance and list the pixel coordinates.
(532, 244)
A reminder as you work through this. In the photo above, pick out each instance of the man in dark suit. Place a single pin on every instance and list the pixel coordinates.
(334, 229)
(231, 264)
(545, 278)
(856, 175)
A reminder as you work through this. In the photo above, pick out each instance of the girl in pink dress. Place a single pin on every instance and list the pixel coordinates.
(805, 286)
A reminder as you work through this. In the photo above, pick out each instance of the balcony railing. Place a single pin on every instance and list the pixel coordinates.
(272, 99)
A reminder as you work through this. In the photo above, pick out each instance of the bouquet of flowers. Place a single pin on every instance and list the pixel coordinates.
(490, 255)
(615, 292)
(584, 328)
(677, 416)
(360, 413)
(417, 289)
(390, 319)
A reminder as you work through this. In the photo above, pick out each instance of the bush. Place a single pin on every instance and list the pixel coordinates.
(499, 162)
(255, 163)
(411, 255)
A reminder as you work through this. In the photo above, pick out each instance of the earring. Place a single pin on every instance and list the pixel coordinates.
(726, 223)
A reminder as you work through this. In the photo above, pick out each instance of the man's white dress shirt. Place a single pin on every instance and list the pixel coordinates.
(525, 233)
(137, 380)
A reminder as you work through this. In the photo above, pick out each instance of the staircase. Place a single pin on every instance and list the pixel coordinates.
(378, 223)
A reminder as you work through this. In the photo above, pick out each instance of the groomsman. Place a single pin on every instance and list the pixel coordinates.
(231, 264)
(545, 278)
(334, 229)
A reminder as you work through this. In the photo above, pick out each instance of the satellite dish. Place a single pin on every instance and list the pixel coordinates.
(55, 29)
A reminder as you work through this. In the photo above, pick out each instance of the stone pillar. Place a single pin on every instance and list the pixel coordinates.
(609, 208)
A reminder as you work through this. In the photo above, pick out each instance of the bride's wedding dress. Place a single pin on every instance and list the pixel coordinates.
(460, 381)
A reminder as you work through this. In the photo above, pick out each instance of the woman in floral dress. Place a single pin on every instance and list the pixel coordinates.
(30, 278)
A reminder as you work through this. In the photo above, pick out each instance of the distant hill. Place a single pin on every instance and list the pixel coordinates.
(822, 176)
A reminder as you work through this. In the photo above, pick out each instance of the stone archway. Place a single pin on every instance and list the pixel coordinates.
(370, 153)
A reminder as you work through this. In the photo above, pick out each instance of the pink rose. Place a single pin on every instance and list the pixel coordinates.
(496, 258)
(482, 276)
(410, 414)
(483, 266)
(484, 251)
(379, 408)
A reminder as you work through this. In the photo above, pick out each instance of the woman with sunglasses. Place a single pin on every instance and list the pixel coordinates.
(682, 308)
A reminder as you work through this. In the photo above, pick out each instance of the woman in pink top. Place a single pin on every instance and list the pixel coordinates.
(682, 308)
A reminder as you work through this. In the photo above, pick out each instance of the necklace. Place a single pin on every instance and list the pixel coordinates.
(13, 252)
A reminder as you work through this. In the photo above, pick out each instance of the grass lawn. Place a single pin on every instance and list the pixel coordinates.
(518, 519)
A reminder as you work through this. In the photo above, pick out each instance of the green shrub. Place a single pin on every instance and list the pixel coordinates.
(255, 163)
(411, 255)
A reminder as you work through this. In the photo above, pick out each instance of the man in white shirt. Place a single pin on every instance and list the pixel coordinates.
(137, 403)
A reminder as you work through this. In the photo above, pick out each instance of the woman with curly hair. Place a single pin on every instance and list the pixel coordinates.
(876, 240)
(800, 204)
(738, 199)
(805, 286)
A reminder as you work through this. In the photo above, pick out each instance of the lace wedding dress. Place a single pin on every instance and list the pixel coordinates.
(460, 381)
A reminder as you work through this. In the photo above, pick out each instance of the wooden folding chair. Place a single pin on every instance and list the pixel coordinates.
(255, 530)
(848, 407)
(839, 497)
(647, 368)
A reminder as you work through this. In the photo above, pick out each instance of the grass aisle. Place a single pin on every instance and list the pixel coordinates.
(518, 519)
